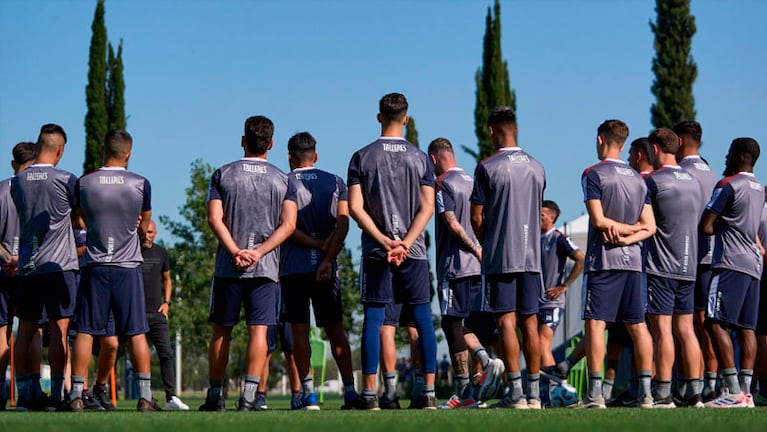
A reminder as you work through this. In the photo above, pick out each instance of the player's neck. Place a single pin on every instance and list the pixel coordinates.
(255, 156)
(667, 159)
(506, 142)
(392, 130)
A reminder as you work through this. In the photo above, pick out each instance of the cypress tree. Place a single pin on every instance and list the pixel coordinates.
(492, 79)
(411, 134)
(673, 65)
(96, 120)
(116, 89)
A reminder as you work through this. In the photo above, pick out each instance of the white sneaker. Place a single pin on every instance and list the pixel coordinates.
(492, 379)
(175, 404)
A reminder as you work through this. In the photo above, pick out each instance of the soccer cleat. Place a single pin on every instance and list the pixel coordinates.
(175, 404)
(589, 403)
(367, 403)
(555, 373)
(623, 400)
(91, 404)
(492, 379)
(534, 404)
(144, 405)
(646, 401)
(307, 403)
(102, 398)
(75, 405)
(750, 401)
(426, 402)
(387, 404)
(727, 400)
(244, 405)
(694, 401)
(213, 405)
(261, 403)
(350, 399)
(455, 402)
(665, 403)
(509, 403)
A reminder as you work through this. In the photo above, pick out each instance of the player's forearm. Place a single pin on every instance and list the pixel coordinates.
(168, 290)
(460, 234)
(576, 271)
(478, 221)
(366, 224)
(5, 256)
(288, 216)
(418, 225)
(337, 238)
(224, 236)
(306, 240)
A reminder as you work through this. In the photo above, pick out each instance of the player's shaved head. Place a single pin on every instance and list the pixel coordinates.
(665, 139)
(117, 144)
(439, 145)
(302, 147)
(51, 137)
(393, 107)
(502, 119)
(613, 132)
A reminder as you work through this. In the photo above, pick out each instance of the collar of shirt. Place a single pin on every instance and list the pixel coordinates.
(303, 168)
(692, 157)
(253, 159)
(112, 169)
(40, 165)
(510, 149)
(391, 138)
(615, 160)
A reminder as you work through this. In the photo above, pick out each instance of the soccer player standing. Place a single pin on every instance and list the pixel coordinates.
(690, 134)
(308, 267)
(44, 197)
(391, 197)
(251, 210)
(733, 216)
(109, 203)
(458, 272)
(671, 265)
(506, 217)
(620, 217)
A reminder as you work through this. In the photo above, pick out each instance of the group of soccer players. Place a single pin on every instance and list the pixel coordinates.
(673, 263)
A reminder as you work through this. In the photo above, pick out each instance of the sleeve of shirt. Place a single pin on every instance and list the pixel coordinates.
(481, 185)
(652, 190)
(354, 174)
(565, 246)
(214, 190)
(445, 201)
(146, 204)
(427, 179)
(291, 194)
(76, 199)
(592, 187)
(720, 199)
(343, 191)
(71, 184)
(165, 261)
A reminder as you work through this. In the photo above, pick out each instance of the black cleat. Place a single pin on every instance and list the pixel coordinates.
(214, 405)
(144, 405)
(74, 405)
(423, 402)
(102, 397)
(367, 403)
(244, 405)
(623, 400)
(385, 403)
(91, 404)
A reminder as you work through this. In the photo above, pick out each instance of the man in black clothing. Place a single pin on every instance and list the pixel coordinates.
(157, 291)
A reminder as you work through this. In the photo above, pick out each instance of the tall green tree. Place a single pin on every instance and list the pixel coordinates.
(348, 281)
(673, 65)
(96, 118)
(493, 88)
(115, 89)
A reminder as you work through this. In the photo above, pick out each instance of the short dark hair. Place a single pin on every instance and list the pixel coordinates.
(502, 116)
(393, 106)
(302, 146)
(258, 134)
(439, 144)
(643, 145)
(24, 152)
(666, 140)
(51, 128)
(551, 205)
(689, 129)
(613, 131)
(747, 146)
(117, 143)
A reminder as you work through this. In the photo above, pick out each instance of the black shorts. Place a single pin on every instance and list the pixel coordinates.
(702, 284)
(55, 292)
(282, 332)
(260, 297)
(299, 289)
(111, 293)
(761, 322)
(8, 288)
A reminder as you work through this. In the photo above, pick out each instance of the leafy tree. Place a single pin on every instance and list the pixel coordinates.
(348, 281)
(493, 88)
(673, 65)
(95, 92)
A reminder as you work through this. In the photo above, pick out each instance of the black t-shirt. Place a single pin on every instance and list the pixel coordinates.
(155, 263)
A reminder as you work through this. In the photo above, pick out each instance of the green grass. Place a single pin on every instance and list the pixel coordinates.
(280, 418)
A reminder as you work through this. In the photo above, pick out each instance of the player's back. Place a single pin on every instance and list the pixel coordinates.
(622, 193)
(454, 260)
(390, 172)
(251, 191)
(317, 195)
(510, 184)
(677, 204)
(9, 220)
(111, 201)
(44, 196)
(707, 180)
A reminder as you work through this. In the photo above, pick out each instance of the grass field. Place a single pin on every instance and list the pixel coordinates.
(280, 418)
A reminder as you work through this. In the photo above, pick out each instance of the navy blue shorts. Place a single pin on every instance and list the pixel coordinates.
(457, 296)
(550, 317)
(733, 299)
(299, 289)
(384, 283)
(399, 315)
(7, 299)
(615, 296)
(667, 296)
(260, 297)
(55, 292)
(761, 322)
(483, 325)
(111, 291)
(702, 284)
(514, 292)
(282, 332)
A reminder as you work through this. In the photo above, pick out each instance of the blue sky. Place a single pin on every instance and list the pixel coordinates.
(195, 69)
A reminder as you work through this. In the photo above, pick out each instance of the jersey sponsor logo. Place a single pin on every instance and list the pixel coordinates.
(518, 158)
(700, 166)
(755, 185)
(395, 148)
(624, 171)
(111, 180)
(36, 176)
(254, 168)
(306, 176)
(682, 176)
